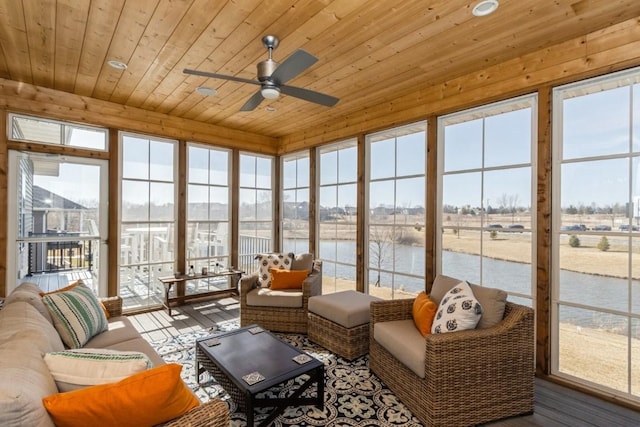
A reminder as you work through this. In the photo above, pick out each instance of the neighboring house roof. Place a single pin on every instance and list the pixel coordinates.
(45, 199)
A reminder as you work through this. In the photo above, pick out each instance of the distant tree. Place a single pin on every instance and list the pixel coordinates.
(381, 247)
(493, 234)
(574, 241)
(603, 244)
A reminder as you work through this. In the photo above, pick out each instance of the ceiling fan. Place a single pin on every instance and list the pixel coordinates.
(272, 77)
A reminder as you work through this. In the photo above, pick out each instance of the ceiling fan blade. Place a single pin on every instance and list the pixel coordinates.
(295, 64)
(220, 76)
(309, 95)
(252, 102)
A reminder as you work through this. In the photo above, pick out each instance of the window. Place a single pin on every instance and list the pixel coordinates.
(596, 237)
(207, 239)
(337, 212)
(44, 131)
(295, 203)
(396, 218)
(147, 218)
(486, 188)
(256, 209)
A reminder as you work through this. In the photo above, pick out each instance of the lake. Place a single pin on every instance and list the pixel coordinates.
(578, 288)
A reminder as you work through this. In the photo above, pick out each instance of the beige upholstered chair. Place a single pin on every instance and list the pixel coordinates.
(280, 310)
(464, 378)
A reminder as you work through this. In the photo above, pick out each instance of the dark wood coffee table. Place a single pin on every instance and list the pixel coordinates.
(241, 353)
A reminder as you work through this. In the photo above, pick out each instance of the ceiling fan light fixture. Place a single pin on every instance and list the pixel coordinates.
(118, 65)
(485, 7)
(270, 92)
(206, 91)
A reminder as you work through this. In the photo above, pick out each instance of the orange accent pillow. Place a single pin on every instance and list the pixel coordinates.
(144, 399)
(287, 279)
(66, 288)
(424, 310)
(71, 286)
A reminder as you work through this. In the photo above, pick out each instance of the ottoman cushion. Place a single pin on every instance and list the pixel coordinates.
(346, 308)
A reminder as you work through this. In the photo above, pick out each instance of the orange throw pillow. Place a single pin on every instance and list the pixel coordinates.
(144, 399)
(287, 279)
(66, 288)
(424, 310)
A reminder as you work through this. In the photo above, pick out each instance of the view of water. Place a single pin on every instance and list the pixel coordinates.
(579, 288)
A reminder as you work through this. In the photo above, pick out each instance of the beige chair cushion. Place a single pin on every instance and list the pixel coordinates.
(403, 340)
(492, 300)
(141, 345)
(264, 297)
(347, 308)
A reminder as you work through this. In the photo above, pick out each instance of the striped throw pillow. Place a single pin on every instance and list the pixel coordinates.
(78, 368)
(77, 315)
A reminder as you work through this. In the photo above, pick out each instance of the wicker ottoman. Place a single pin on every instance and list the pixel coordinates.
(340, 322)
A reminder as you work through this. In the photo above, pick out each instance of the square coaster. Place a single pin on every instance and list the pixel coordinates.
(256, 330)
(211, 342)
(253, 378)
(302, 358)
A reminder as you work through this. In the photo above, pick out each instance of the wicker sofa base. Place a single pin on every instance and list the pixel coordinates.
(348, 343)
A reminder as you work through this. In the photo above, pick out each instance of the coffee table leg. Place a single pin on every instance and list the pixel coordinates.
(320, 388)
(248, 409)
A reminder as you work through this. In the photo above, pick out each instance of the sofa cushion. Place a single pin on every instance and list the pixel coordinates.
(24, 381)
(29, 292)
(268, 261)
(302, 262)
(119, 329)
(403, 340)
(21, 320)
(144, 399)
(423, 313)
(78, 368)
(265, 297)
(287, 279)
(77, 315)
(347, 308)
(492, 300)
(459, 310)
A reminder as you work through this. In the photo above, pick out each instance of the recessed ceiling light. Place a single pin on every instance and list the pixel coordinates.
(206, 91)
(117, 64)
(485, 7)
(270, 108)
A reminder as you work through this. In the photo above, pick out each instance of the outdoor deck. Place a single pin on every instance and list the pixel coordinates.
(554, 405)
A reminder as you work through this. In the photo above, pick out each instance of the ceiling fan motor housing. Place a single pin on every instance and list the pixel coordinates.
(266, 69)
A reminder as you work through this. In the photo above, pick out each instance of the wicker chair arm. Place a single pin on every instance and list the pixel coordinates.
(385, 311)
(503, 343)
(247, 283)
(214, 413)
(312, 285)
(113, 305)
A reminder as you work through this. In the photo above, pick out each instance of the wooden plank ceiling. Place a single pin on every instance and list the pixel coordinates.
(370, 52)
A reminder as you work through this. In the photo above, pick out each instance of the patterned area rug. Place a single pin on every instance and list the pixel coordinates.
(353, 395)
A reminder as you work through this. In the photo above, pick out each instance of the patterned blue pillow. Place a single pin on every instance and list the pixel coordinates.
(77, 315)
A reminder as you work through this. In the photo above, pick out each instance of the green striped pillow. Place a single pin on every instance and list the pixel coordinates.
(78, 368)
(77, 315)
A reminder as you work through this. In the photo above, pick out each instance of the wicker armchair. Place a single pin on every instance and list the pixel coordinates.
(214, 413)
(471, 377)
(278, 318)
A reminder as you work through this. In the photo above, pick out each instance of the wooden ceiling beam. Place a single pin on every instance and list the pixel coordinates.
(39, 101)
